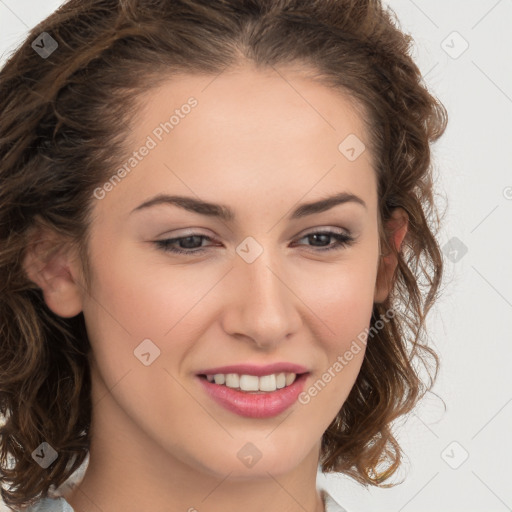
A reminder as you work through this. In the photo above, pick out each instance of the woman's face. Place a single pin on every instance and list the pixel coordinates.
(261, 291)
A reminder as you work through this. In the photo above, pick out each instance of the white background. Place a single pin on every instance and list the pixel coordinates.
(470, 326)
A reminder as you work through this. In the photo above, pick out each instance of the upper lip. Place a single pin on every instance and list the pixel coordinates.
(251, 369)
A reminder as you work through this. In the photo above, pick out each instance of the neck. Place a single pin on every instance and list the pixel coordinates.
(129, 471)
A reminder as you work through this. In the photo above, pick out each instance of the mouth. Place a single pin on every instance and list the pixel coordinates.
(248, 383)
(254, 396)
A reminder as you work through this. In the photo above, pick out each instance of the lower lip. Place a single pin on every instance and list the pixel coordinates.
(255, 405)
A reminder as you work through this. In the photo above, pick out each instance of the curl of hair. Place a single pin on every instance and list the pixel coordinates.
(62, 134)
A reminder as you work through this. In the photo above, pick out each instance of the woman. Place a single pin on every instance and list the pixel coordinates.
(216, 217)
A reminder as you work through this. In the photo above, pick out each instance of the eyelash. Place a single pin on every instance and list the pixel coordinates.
(342, 241)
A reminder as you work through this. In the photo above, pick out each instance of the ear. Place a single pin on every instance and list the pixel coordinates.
(396, 228)
(51, 264)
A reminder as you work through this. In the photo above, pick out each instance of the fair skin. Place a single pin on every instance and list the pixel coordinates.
(256, 145)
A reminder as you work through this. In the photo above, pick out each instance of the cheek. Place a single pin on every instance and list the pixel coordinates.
(145, 297)
(341, 296)
(342, 309)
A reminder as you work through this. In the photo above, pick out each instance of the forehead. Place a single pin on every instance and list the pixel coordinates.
(247, 133)
(256, 101)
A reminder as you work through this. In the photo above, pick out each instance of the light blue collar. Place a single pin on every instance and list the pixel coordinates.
(61, 505)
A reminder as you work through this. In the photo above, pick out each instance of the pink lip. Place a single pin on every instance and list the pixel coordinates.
(250, 369)
(254, 405)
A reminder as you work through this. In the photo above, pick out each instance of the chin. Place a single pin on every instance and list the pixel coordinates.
(265, 460)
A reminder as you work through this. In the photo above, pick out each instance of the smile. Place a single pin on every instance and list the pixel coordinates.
(252, 396)
(253, 383)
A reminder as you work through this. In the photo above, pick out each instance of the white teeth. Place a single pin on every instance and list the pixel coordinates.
(219, 378)
(249, 383)
(232, 380)
(290, 377)
(266, 383)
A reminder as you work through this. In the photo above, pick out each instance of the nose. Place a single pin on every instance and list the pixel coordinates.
(263, 308)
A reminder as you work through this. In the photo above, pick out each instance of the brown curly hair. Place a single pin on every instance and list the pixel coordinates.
(64, 124)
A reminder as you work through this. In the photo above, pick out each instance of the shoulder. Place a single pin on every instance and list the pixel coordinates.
(330, 504)
(50, 505)
(61, 505)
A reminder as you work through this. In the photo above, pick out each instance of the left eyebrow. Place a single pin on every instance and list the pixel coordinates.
(227, 214)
